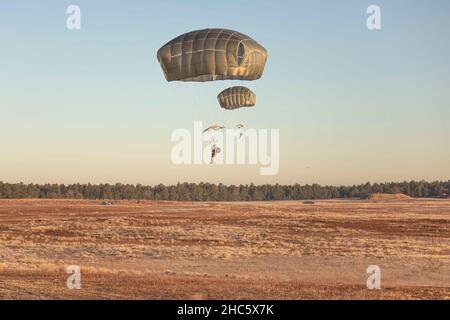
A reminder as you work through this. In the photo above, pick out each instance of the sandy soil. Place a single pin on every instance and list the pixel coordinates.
(214, 250)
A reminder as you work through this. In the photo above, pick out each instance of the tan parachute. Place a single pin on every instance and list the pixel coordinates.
(212, 54)
(212, 128)
(236, 97)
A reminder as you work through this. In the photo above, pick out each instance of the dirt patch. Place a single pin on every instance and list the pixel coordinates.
(387, 196)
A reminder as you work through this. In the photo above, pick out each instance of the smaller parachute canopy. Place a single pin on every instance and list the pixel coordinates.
(215, 127)
(236, 97)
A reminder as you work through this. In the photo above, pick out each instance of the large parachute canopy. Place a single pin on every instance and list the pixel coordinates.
(212, 54)
(236, 97)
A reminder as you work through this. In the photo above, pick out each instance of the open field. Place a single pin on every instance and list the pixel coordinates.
(214, 250)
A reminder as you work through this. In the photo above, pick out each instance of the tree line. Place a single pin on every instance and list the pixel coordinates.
(217, 192)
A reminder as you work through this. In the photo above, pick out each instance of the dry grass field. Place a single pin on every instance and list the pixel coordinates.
(215, 250)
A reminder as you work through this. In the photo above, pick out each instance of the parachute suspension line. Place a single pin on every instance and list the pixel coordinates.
(232, 99)
(229, 118)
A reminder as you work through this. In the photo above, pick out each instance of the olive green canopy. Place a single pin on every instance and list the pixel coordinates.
(236, 97)
(212, 54)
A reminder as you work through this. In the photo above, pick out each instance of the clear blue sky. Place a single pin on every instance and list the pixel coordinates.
(352, 105)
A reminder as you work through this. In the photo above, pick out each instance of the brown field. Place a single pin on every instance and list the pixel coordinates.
(214, 250)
